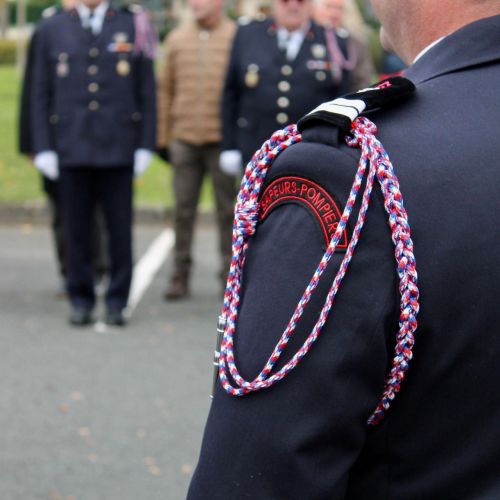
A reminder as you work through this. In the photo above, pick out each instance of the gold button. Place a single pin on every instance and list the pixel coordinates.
(283, 102)
(284, 86)
(282, 118)
(93, 105)
(92, 70)
(286, 70)
(94, 52)
(93, 87)
(320, 76)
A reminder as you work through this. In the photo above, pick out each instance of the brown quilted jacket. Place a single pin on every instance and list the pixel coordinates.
(191, 83)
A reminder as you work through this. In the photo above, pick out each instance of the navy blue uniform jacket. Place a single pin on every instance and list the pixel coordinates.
(264, 92)
(93, 97)
(306, 437)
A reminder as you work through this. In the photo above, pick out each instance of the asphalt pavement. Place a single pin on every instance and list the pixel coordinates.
(98, 413)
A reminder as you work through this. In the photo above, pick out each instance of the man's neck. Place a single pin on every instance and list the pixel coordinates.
(209, 22)
(437, 26)
(92, 7)
(291, 29)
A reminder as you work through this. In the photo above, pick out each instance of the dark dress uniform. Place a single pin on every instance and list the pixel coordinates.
(93, 103)
(307, 436)
(49, 186)
(264, 91)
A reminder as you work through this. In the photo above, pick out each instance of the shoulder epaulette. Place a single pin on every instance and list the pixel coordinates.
(255, 20)
(342, 111)
(134, 8)
(342, 32)
(50, 11)
(244, 20)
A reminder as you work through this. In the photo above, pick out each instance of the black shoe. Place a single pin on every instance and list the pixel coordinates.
(80, 317)
(115, 318)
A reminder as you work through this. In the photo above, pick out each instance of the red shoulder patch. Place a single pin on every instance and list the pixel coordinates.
(313, 197)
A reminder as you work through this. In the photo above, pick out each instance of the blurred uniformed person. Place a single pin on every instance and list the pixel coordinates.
(189, 95)
(307, 436)
(278, 70)
(331, 14)
(50, 186)
(94, 125)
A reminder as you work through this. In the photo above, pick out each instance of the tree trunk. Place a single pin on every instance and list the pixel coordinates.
(4, 18)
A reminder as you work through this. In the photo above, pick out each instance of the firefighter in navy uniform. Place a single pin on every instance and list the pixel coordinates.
(94, 125)
(397, 397)
(51, 186)
(279, 69)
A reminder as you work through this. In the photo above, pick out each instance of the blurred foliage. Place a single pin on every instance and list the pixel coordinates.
(18, 179)
(7, 51)
(34, 10)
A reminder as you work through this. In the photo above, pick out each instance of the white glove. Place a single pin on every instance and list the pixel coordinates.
(142, 160)
(48, 164)
(230, 162)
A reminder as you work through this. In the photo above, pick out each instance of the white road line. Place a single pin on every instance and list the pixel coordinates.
(147, 267)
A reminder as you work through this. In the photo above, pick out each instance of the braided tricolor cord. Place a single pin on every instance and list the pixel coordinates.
(375, 160)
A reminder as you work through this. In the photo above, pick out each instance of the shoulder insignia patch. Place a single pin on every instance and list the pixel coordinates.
(344, 110)
(315, 199)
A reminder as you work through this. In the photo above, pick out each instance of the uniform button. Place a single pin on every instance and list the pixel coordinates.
(94, 52)
(320, 76)
(54, 119)
(283, 86)
(283, 102)
(286, 70)
(93, 105)
(93, 87)
(136, 116)
(282, 118)
(92, 70)
(242, 122)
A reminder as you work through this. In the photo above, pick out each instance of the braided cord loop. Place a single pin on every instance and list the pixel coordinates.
(374, 163)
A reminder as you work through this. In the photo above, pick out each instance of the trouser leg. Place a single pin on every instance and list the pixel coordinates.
(100, 257)
(188, 178)
(225, 190)
(115, 196)
(77, 199)
(52, 189)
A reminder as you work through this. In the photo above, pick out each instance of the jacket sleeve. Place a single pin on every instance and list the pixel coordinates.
(165, 95)
(41, 92)
(231, 95)
(300, 438)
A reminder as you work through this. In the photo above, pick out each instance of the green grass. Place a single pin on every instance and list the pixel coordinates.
(19, 180)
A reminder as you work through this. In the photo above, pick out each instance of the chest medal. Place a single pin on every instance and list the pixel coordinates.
(123, 67)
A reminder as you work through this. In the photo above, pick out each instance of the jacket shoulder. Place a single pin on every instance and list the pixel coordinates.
(54, 19)
(254, 27)
(181, 34)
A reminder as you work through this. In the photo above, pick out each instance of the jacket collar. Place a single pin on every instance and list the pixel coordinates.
(309, 33)
(474, 44)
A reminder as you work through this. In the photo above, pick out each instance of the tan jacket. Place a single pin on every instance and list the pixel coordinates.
(191, 82)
